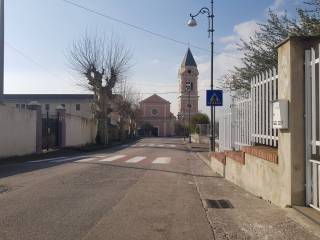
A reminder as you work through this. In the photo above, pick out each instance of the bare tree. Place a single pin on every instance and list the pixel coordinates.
(103, 64)
(128, 108)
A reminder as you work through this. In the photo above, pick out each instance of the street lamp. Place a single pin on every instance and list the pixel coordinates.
(188, 88)
(192, 23)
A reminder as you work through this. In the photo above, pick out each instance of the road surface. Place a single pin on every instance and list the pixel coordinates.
(152, 189)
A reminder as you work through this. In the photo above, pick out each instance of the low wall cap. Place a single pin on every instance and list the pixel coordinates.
(297, 38)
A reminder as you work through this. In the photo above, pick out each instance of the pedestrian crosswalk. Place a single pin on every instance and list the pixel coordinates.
(135, 159)
(154, 145)
(113, 158)
(108, 159)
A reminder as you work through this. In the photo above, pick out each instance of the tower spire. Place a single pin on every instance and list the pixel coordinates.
(188, 60)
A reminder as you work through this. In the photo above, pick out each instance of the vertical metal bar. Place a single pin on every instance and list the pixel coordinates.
(275, 89)
(260, 108)
(267, 107)
(253, 97)
(256, 110)
(308, 133)
(270, 108)
(318, 186)
(318, 104)
(263, 107)
(313, 103)
(47, 130)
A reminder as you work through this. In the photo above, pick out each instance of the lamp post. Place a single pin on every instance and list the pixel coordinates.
(192, 23)
(188, 88)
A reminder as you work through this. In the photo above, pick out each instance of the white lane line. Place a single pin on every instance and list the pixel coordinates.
(172, 146)
(151, 145)
(69, 159)
(161, 145)
(85, 160)
(46, 160)
(142, 145)
(136, 159)
(162, 160)
(113, 158)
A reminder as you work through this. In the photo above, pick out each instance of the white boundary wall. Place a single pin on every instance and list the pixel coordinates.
(17, 131)
(79, 131)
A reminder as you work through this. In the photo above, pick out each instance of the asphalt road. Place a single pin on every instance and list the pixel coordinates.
(147, 190)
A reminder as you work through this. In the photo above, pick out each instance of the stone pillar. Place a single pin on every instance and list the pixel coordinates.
(291, 147)
(61, 113)
(35, 106)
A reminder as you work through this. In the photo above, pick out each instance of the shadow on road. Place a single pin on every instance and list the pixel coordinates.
(154, 169)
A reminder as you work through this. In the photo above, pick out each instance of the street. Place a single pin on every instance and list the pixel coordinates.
(151, 189)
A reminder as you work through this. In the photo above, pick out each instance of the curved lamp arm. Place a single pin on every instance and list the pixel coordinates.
(203, 10)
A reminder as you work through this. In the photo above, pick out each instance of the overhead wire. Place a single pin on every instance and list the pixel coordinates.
(141, 28)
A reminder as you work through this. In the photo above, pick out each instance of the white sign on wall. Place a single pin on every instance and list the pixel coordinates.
(280, 114)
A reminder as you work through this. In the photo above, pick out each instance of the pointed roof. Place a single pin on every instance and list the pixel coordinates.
(188, 60)
(155, 99)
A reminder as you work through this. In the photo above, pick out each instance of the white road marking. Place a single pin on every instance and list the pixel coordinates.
(113, 158)
(99, 156)
(162, 160)
(69, 159)
(151, 145)
(47, 160)
(125, 145)
(142, 145)
(161, 145)
(136, 159)
(85, 160)
(172, 146)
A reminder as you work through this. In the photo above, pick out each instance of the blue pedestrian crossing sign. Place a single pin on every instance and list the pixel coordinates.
(214, 98)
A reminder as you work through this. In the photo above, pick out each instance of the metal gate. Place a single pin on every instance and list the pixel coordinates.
(312, 122)
(51, 131)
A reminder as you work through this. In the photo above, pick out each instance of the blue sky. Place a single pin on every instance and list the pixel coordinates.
(39, 33)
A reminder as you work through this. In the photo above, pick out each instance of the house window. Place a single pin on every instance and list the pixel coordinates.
(23, 106)
(154, 112)
(78, 107)
(17, 105)
(47, 107)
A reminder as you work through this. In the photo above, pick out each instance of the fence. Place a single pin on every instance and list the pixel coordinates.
(249, 121)
(312, 85)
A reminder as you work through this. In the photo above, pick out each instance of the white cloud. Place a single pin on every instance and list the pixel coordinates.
(244, 31)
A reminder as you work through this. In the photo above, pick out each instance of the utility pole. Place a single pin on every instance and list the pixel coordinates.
(1, 51)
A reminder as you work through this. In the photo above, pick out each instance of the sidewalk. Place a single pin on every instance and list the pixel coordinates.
(249, 217)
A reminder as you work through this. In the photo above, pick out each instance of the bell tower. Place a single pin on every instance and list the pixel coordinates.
(188, 77)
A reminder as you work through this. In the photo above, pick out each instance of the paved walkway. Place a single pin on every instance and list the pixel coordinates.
(249, 217)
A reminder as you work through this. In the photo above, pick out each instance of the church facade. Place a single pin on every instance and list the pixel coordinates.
(188, 87)
(156, 111)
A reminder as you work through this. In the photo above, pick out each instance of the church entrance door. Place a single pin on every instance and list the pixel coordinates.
(155, 132)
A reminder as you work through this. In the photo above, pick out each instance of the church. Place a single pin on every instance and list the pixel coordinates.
(156, 110)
